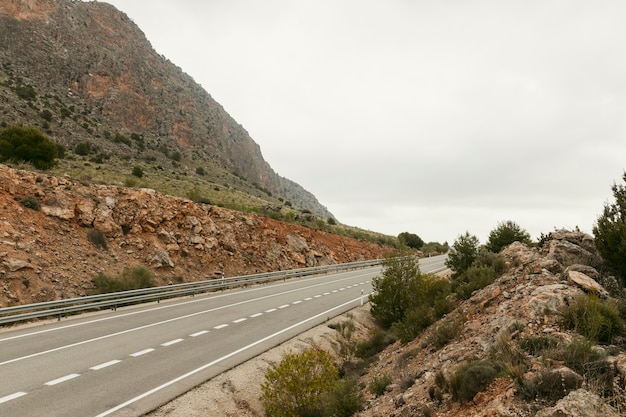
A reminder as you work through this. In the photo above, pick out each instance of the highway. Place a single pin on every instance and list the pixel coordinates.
(130, 361)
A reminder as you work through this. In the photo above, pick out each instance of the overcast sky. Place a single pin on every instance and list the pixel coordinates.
(432, 117)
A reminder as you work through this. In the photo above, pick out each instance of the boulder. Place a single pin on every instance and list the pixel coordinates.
(579, 403)
(586, 283)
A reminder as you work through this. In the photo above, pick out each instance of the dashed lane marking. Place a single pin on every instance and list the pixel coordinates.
(62, 379)
(171, 342)
(13, 396)
(105, 365)
(220, 326)
(141, 352)
(200, 333)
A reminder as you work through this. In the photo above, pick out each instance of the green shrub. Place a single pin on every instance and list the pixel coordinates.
(132, 278)
(593, 318)
(473, 378)
(505, 234)
(378, 384)
(463, 253)
(298, 385)
(27, 144)
(610, 230)
(472, 279)
(200, 171)
(379, 340)
(82, 148)
(137, 171)
(30, 202)
(343, 400)
(445, 332)
(536, 345)
(97, 239)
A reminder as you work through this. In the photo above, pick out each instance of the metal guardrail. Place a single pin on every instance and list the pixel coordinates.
(62, 308)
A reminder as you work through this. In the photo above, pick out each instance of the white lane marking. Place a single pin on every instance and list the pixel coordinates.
(270, 310)
(223, 358)
(318, 295)
(200, 333)
(107, 336)
(256, 315)
(326, 293)
(342, 289)
(62, 379)
(171, 342)
(141, 352)
(284, 306)
(12, 396)
(220, 326)
(240, 320)
(105, 364)
(149, 310)
(334, 291)
(308, 299)
(297, 302)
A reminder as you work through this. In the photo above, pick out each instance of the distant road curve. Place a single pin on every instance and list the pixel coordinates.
(130, 361)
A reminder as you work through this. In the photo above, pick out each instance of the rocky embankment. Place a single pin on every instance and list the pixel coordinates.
(522, 304)
(57, 234)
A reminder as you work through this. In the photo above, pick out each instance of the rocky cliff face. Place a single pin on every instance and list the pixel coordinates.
(522, 305)
(48, 250)
(97, 75)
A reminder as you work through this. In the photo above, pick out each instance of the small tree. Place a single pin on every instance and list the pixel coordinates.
(298, 384)
(411, 240)
(27, 144)
(610, 230)
(463, 253)
(504, 234)
(393, 290)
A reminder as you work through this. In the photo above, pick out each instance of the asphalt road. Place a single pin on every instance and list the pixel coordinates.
(130, 361)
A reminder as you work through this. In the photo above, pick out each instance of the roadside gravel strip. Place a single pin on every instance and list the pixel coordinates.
(236, 392)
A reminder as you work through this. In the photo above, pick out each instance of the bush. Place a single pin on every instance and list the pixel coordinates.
(30, 202)
(593, 318)
(537, 345)
(378, 340)
(298, 384)
(97, 239)
(411, 240)
(445, 332)
(463, 253)
(505, 234)
(130, 279)
(27, 144)
(378, 384)
(473, 378)
(82, 148)
(393, 291)
(472, 279)
(137, 172)
(343, 400)
(610, 230)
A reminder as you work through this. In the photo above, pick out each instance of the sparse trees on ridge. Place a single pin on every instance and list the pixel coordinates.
(610, 230)
(504, 234)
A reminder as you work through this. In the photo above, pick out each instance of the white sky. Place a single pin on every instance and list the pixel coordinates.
(431, 117)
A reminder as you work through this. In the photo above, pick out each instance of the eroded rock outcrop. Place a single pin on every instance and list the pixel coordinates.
(81, 230)
(523, 303)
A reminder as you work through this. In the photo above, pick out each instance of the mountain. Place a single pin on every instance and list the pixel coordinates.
(86, 75)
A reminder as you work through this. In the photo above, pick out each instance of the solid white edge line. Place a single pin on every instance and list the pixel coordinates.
(62, 379)
(105, 364)
(218, 360)
(12, 396)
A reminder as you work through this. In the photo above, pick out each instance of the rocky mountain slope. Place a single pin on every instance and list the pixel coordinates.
(83, 72)
(57, 234)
